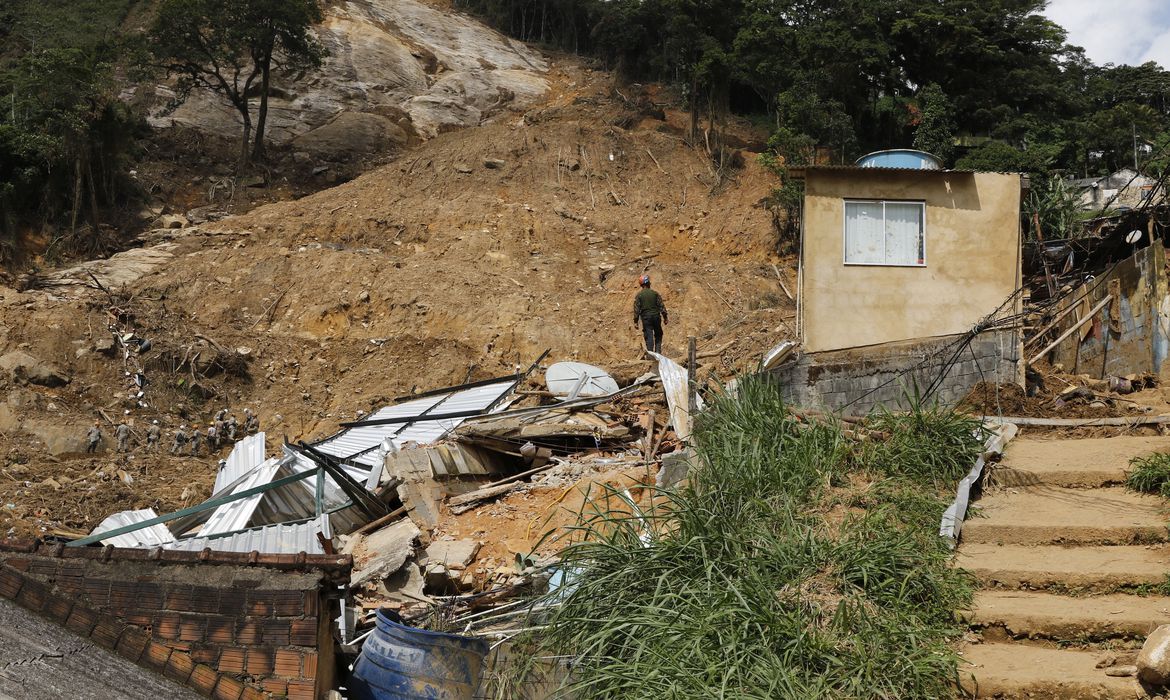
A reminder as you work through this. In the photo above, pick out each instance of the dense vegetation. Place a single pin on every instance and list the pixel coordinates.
(797, 563)
(860, 75)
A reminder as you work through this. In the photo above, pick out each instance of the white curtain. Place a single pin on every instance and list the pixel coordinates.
(864, 233)
(904, 244)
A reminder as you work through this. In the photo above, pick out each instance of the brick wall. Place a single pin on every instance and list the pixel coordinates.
(858, 380)
(230, 626)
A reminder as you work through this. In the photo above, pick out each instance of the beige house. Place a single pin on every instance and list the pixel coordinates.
(895, 264)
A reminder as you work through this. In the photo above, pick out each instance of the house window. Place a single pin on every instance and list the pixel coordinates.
(885, 233)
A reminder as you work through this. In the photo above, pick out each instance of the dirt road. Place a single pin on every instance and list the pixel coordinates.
(1071, 568)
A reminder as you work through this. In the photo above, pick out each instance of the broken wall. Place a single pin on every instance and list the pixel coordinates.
(1132, 334)
(229, 625)
(972, 262)
(856, 381)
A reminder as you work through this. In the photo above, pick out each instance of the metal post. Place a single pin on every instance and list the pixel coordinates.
(320, 497)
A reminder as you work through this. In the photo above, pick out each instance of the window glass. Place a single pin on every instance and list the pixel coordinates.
(864, 232)
(885, 233)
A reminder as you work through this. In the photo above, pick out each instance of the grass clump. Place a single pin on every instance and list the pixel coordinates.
(760, 579)
(1150, 475)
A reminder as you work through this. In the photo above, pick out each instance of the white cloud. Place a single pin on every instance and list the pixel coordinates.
(1119, 31)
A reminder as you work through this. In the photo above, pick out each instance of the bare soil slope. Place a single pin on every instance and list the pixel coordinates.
(464, 258)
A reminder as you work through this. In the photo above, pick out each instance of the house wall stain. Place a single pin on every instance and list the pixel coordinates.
(972, 258)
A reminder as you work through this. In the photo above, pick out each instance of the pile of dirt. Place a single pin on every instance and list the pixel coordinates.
(462, 259)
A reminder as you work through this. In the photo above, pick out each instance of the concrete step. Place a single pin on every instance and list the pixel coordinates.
(1073, 463)
(1038, 615)
(1016, 671)
(1055, 515)
(1087, 568)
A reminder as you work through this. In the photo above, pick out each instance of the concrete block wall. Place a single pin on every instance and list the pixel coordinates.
(230, 631)
(859, 380)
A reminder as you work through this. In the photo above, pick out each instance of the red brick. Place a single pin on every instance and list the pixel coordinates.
(167, 626)
(179, 667)
(57, 608)
(203, 678)
(149, 595)
(220, 630)
(253, 694)
(288, 663)
(205, 655)
(248, 632)
(228, 689)
(302, 690)
(192, 629)
(43, 567)
(133, 644)
(81, 620)
(107, 631)
(312, 603)
(204, 600)
(72, 585)
(233, 603)
(32, 595)
(10, 582)
(156, 656)
(20, 564)
(97, 592)
(309, 664)
(231, 660)
(259, 605)
(287, 603)
(275, 686)
(303, 633)
(141, 620)
(179, 598)
(275, 632)
(259, 662)
(70, 569)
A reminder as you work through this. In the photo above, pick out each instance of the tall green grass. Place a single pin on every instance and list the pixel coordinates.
(742, 585)
(1150, 474)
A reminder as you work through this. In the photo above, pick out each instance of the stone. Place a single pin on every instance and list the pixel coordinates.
(1153, 663)
(675, 466)
(171, 221)
(25, 368)
(493, 163)
(453, 554)
(461, 168)
(1121, 671)
(352, 134)
(381, 553)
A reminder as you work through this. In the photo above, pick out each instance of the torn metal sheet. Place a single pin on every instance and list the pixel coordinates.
(368, 445)
(299, 501)
(269, 539)
(153, 536)
(952, 520)
(675, 383)
(238, 514)
(246, 454)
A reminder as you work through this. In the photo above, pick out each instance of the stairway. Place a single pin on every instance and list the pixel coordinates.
(1070, 567)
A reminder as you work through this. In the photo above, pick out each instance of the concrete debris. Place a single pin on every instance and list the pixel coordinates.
(674, 468)
(1153, 663)
(382, 553)
(493, 163)
(453, 554)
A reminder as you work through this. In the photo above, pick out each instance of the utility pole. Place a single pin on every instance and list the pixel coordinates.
(1135, 150)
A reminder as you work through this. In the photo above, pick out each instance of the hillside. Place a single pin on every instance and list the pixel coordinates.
(466, 256)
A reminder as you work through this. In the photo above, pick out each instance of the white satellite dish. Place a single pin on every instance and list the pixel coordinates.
(576, 379)
(1133, 237)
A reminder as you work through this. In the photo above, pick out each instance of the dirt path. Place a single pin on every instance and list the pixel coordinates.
(1071, 569)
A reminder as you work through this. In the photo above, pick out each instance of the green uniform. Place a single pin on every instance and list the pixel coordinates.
(648, 305)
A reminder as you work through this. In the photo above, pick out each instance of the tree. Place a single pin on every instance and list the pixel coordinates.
(230, 47)
(935, 132)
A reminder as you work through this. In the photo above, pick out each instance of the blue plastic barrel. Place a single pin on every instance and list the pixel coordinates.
(900, 158)
(405, 663)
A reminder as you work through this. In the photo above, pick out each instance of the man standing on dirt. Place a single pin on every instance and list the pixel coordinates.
(651, 313)
(251, 422)
(122, 434)
(92, 438)
(180, 439)
(153, 433)
(196, 440)
(232, 426)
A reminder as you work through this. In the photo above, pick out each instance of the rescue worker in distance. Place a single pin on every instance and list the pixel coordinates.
(651, 313)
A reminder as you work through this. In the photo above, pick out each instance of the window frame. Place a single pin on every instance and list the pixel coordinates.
(845, 231)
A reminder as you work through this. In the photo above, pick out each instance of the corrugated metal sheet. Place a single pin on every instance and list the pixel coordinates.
(370, 442)
(237, 514)
(246, 454)
(270, 539)
(298, 501)
(153, 536)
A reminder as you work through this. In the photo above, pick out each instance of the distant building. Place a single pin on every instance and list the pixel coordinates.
(898, 267)
(1124, 188)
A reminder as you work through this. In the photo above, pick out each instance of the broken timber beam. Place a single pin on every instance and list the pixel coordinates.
(1085, 422)
(1072, 329)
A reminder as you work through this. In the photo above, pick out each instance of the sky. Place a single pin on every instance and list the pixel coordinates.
(1116, 31)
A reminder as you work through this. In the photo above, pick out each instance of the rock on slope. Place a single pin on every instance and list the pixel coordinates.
(397, 71)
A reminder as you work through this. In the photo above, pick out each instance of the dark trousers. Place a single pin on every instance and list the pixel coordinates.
(652, 332)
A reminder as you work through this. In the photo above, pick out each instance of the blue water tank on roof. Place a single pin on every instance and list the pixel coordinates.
(906, 158)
